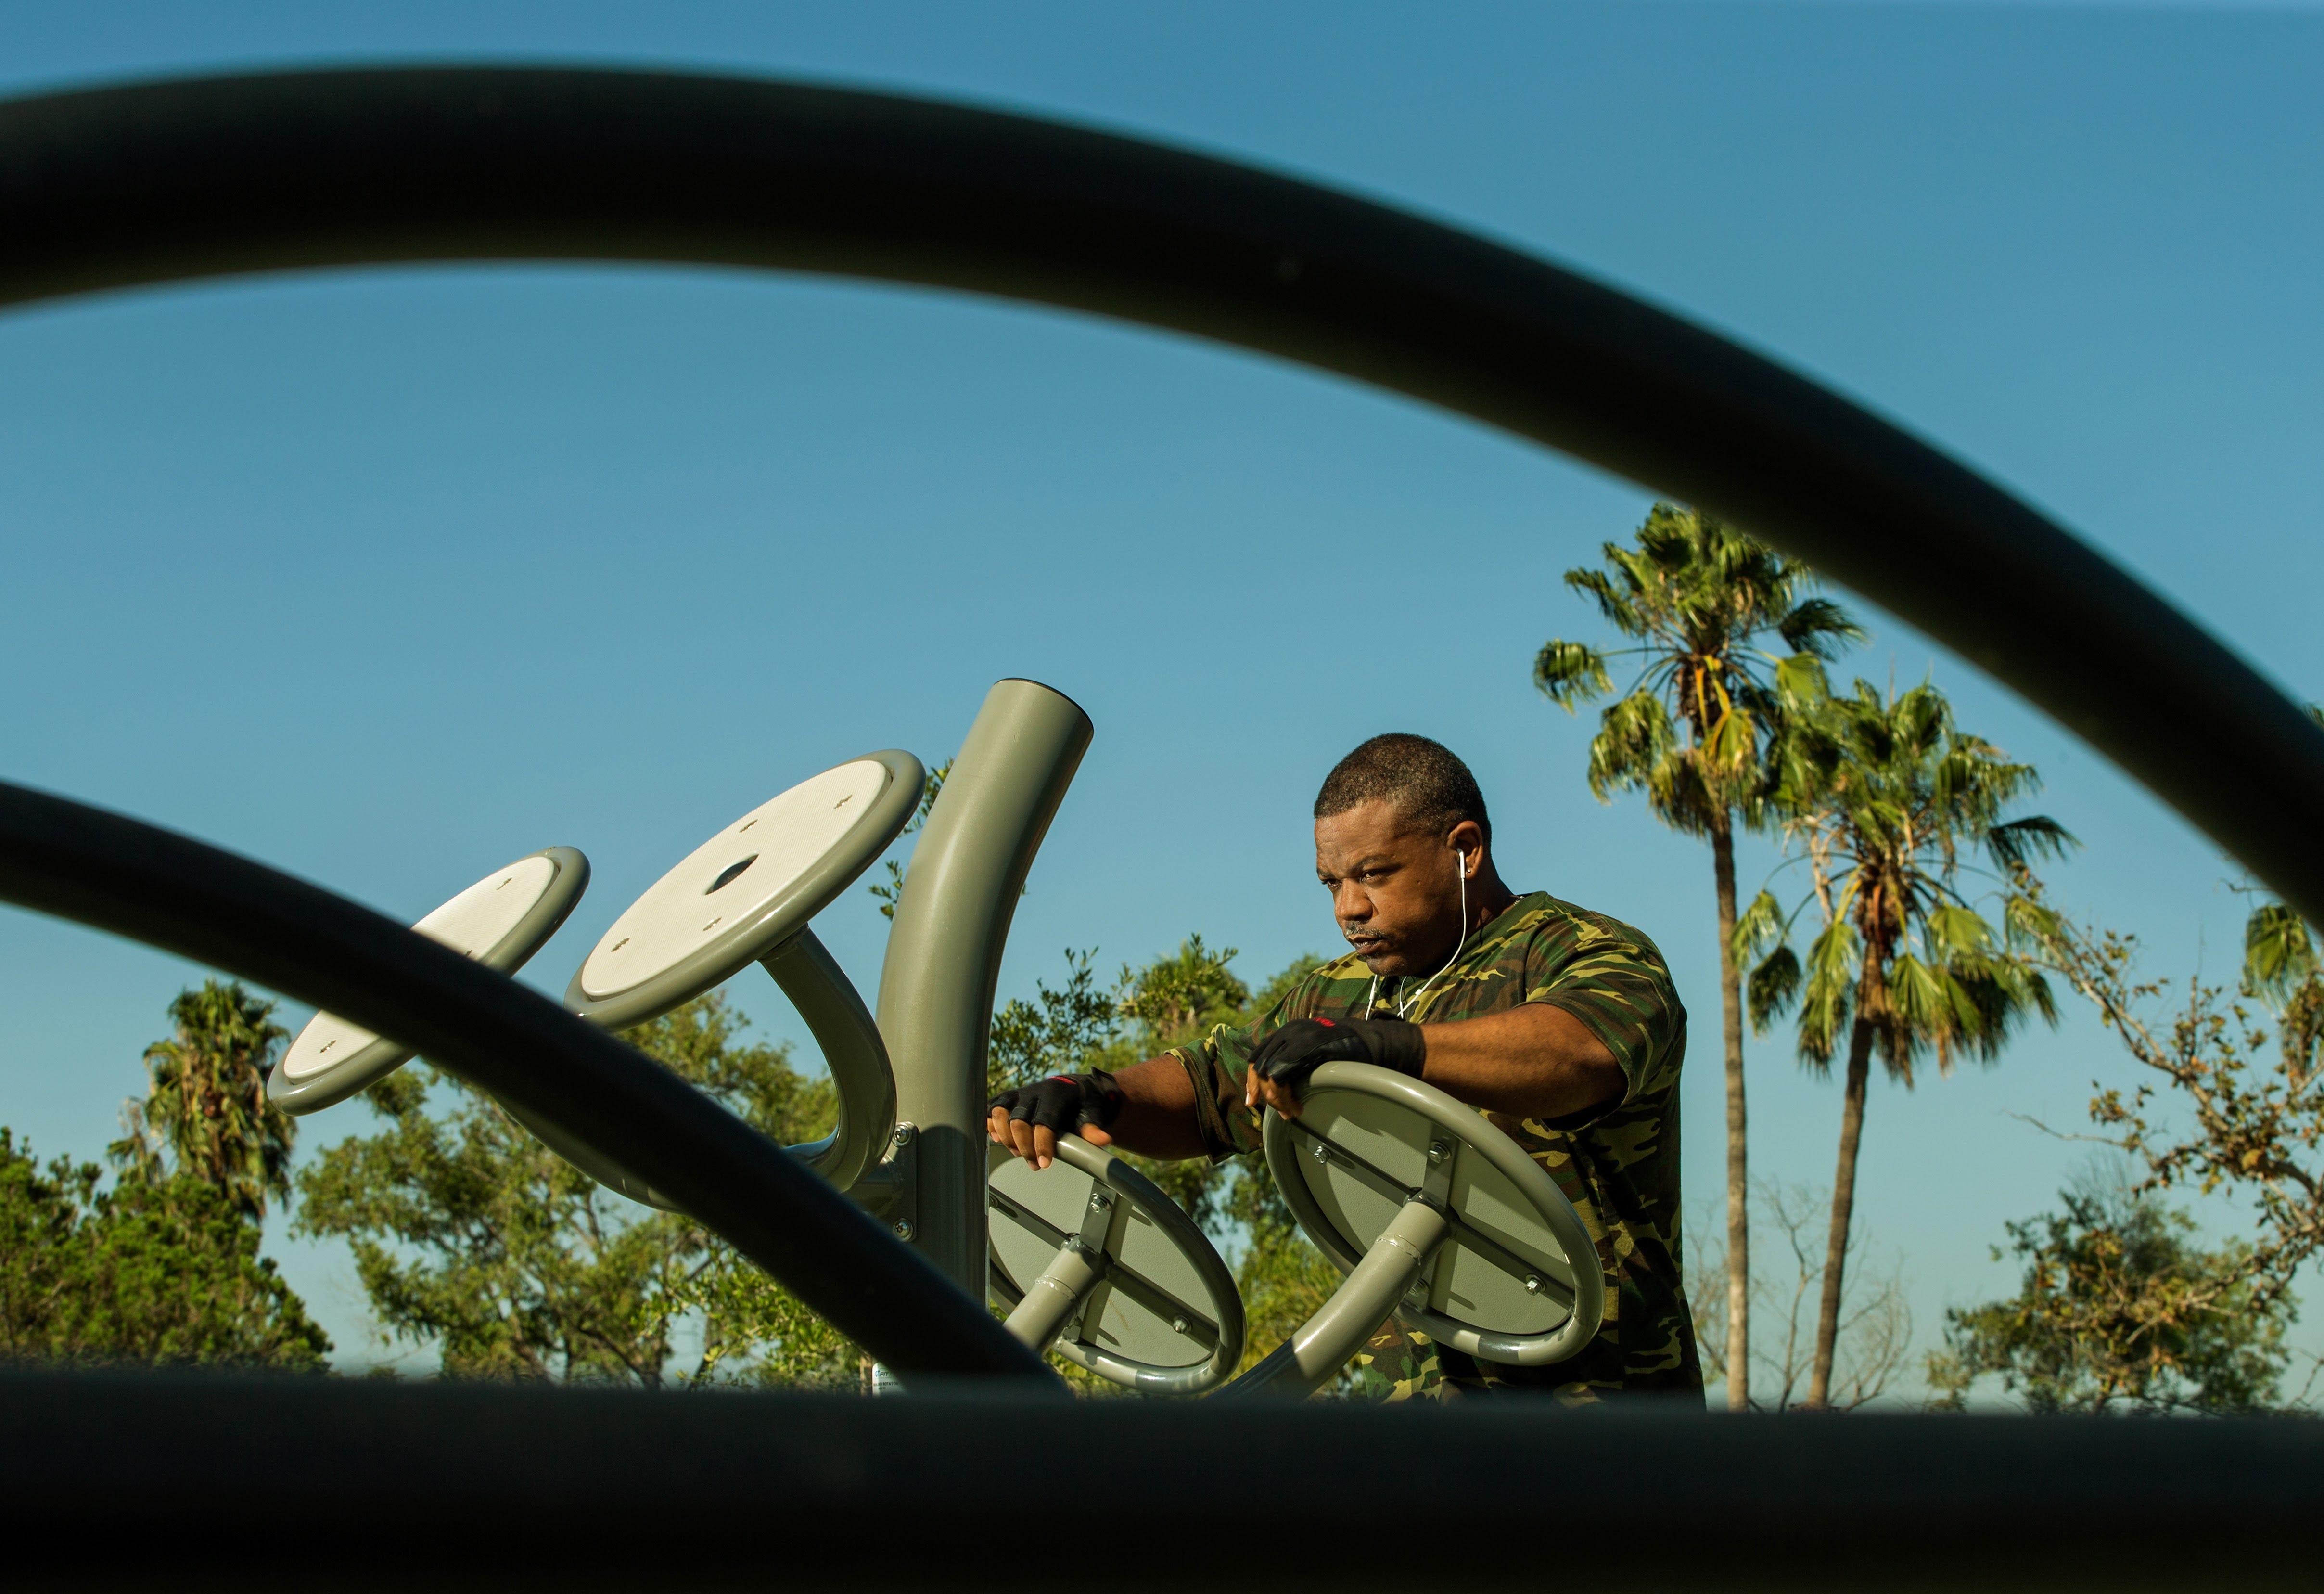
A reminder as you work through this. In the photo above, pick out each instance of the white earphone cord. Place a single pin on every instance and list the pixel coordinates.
(1372, 997)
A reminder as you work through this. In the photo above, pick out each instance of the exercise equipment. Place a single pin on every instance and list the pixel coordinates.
(500, 921)
(1436, 1216)
(1092, 1258)
(745, 896)
(109, 188)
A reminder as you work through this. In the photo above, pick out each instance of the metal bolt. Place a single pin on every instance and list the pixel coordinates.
(1178, 1325)
(902, 1228)
(1100, 1201)
(1533, 1285)
(903, 1135)
(1323, 1152)
(1438, 1150)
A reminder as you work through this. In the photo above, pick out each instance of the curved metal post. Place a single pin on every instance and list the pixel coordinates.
(943, 954)
(851, 1045)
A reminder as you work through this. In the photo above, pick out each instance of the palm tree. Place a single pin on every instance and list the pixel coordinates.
(1883, 794)
(1698, 597)
(206, 1104)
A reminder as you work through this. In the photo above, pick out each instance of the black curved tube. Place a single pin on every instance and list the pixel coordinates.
(506, 1488)
(113, 187)
(169, 891)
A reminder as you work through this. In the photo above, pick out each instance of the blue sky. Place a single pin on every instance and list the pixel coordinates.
(388, 577)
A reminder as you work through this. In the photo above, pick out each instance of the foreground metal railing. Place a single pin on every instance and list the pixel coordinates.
(291, 1483)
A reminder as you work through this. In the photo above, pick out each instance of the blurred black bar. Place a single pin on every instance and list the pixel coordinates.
(324, 1484)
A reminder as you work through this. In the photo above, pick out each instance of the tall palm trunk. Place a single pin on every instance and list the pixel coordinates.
(1739, 1171)
(1843, 1210)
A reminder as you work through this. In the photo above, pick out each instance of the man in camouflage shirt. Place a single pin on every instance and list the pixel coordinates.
(1560, 1024)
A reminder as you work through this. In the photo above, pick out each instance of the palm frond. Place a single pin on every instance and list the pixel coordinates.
(1620, 608)
(1800, 683)
(1827, 999)
(1953, 931)
(2279, 951)
(2018, 844)
(1773, 988)
(1634, 736)
(1819, 628)
(1760, 925)
(1569, 673)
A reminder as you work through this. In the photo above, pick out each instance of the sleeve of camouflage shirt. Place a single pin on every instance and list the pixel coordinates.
(1619, 988)
(1214, 1066)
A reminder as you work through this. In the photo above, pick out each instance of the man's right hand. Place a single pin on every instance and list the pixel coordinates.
(1028, 1119)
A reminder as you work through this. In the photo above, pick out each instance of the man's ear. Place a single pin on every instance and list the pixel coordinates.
(1468, 839)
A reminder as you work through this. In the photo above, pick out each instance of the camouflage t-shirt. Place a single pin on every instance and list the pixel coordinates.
(1618, 1163)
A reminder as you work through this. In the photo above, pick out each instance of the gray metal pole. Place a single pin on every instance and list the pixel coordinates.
(1309, 1359)
(943, 953)
(1051, 1299)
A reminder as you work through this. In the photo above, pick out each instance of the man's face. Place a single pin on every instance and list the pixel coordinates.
(1396, 889)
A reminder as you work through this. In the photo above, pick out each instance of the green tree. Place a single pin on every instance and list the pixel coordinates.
(1884, 794)
(470, 1234)
(2120, 1310)
(2218, 1110)
(1699, 599)
(1180, 995)
(1059, 1032)
(163, 1268)
(157, 1272)
(204, 1111)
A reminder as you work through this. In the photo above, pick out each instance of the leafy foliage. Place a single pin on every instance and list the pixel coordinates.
(469, 1235)
(1882, 795)
(1179, 995)
(159, 1272)
(2253, 1123)
(163, 1268)
(1692, 730)
(1696, 595)
(1056, 1032)
(2119, 1311)
(206, 1112)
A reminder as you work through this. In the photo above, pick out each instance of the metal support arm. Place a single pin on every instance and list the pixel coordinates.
(1323, 1343)
(852, 1048)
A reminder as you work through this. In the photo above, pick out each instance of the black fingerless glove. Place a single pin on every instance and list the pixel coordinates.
(1291, 1054)
(1063, 1103)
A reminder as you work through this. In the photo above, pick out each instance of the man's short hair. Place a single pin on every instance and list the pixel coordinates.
(1421, 779)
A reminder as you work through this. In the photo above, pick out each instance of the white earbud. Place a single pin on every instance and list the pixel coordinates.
(1460, 867)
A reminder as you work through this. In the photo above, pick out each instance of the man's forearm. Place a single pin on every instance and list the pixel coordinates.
(1158, 1117)
(1533, 1061)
